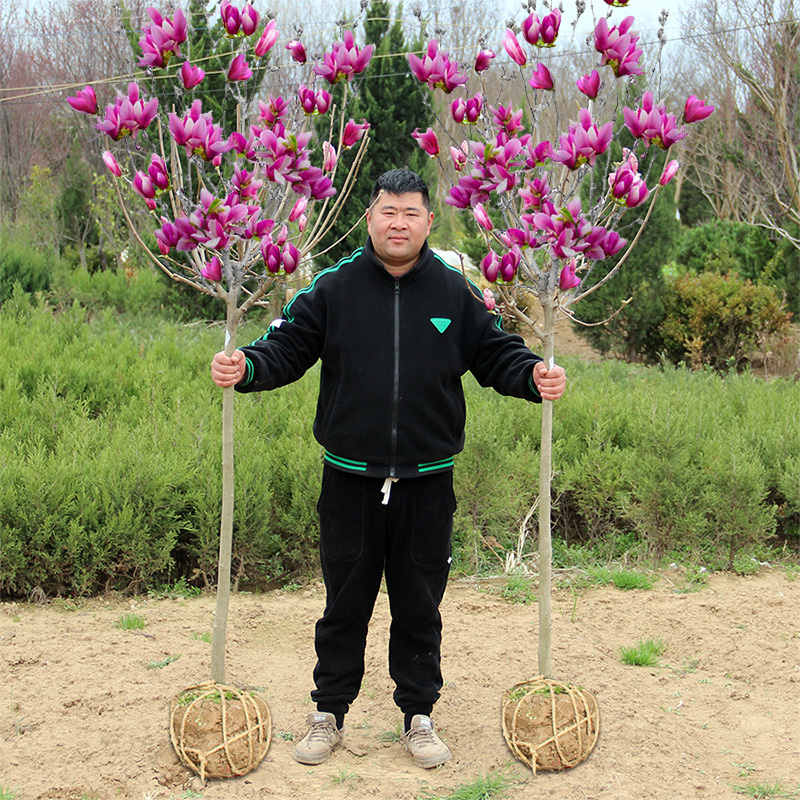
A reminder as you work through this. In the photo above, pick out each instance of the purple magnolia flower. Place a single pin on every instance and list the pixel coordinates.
(313, 102)
(231, 19)
(535, 193)
(239, 69)
(509, 264)
(590, 84)
(696, 110)
(273, 111)
(541, 78)
(483, 60)
(271, 253)
(297, 51)
(542, 33)
(111, 163)
(617, 3)
(344, 60)
(190, 76)
(514, 49)
(290, 258)
(467, 110)
(583, 143)
(353, 132)
(213, 270)
(567, 279)
(128, 115)
(537, 154)
(436, 69)
(507, 120)
(250, 19)
(84, 101)
(427, 141)
(617, 47)
(669, 172)
(626, 184)
(163, 38)
(267, 39)
(652, 124)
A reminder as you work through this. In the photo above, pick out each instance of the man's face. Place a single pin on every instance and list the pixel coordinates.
(398, 225)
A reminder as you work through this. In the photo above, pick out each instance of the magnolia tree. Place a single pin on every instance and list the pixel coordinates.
(233, 212)
(554, 228)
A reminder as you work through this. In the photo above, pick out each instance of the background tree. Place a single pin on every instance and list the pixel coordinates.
(393, 111)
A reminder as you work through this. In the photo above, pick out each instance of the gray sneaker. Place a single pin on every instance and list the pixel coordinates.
(425, 746)
(321, 738)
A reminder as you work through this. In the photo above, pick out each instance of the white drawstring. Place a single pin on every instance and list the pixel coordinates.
(387, 490)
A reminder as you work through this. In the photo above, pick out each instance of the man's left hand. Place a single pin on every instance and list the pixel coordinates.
(549, 382)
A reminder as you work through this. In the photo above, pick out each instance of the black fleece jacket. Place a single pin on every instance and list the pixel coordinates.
(393, 352)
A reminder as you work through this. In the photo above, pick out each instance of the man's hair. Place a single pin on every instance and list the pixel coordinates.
(400, 181)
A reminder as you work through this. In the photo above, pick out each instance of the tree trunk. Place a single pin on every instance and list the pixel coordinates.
(545, 542)
(219, 633)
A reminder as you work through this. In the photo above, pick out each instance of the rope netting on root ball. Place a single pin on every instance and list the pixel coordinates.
(550, 725)
(219, 731)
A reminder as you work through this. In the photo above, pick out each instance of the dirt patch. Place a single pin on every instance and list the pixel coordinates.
(84, 705)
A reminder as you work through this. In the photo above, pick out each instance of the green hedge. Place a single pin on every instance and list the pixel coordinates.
(110, 453)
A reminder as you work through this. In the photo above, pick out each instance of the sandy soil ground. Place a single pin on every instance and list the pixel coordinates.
(84, 704)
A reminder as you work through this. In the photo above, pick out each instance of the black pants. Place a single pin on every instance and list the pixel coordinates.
(360, 539)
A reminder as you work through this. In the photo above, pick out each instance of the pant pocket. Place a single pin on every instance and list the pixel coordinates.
(434, 506)
(341, 515)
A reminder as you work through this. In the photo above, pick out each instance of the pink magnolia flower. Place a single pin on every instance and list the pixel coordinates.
(329, 157)
(298, 208)
(537, 154)
(212, 271)
(583, 143)
(344, 60)
(239, 69)
(617, 47)
(590, 84)
(128, 115)
(111, 163)
(567, 279)
(250, 19)
(507, 120)
(541, 78)
(84, 101)
(267, 39)
(198, 134)
(458, 157)
(488, 299)
(490, 266)
(514, 49)
(669, 172)
(163, 38)
(482, 217)
(273, 111)
(290, 258)
(313, 102)
(617, 3)
(353, 132)
(483, 60)
(696, 110)
(652, 124)
(427, 141)
(298, 52)
(436, 69)
(626, 184)
(190, 76)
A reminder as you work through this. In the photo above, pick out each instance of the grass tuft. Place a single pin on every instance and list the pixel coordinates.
(760, 790)
(644, 654)
(131, 622)
(489, 786)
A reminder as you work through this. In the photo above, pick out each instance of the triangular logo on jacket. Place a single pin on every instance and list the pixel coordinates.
(441, 323)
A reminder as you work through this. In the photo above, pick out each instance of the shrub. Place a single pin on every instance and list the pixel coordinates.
(718, 320)
(24, 266)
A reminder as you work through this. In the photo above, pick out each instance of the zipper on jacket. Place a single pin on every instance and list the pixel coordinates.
(396, 390)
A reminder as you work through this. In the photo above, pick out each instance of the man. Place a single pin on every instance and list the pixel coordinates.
(395, 330)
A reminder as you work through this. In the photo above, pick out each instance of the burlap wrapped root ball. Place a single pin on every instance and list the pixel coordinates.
(219, 731)
(550, 725)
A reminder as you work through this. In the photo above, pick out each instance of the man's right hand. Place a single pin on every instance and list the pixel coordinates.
(228, 370)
